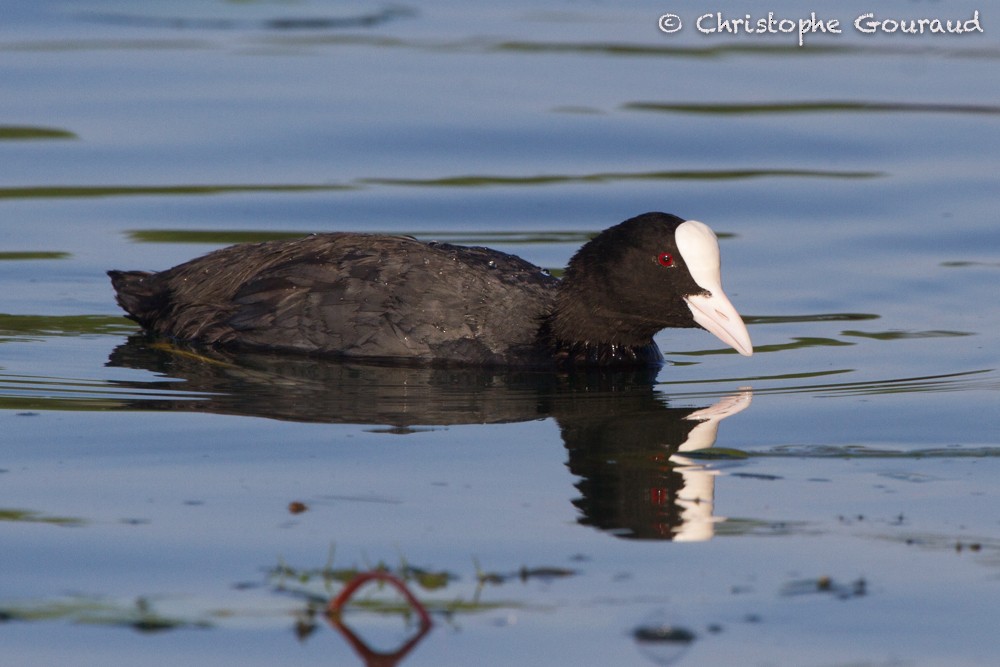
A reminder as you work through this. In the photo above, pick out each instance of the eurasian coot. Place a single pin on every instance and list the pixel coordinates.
(393, 297)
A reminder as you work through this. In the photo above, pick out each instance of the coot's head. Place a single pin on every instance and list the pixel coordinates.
(648, 273)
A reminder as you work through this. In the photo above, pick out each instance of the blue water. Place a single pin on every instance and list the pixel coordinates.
(847, 511)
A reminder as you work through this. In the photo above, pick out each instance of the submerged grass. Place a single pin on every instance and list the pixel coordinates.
(319, 585)
(868, 452)
(213, 236)
(485, 180)
(224, 236)
(78, 191)
(313, 586)
(821, 106)
(22, 327)
(461, 181)
(33, 254)
(138, 615)
(30, 132)
(30, 516)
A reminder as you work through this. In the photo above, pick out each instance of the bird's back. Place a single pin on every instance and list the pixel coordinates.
(356, 295)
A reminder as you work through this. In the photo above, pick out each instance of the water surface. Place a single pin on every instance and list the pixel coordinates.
(831, 500)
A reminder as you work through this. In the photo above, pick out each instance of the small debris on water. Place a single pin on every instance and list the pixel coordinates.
(826, 584)
(664, 633)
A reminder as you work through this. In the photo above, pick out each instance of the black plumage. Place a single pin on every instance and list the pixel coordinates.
(394, 297)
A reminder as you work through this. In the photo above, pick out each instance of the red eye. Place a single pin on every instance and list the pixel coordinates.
(665, 259)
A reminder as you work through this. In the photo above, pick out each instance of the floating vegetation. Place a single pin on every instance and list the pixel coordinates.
(77, 191)
(662, 639)
(327, 576)
(214, 236)
(317, 586)
(30, 516)
(944, 542)
(465, 237)
(28, 132)
(962, 264)
(818, 317)
(904, 335)
(822, 106)
(138, 615)
(646, 50)
(283, 23)
(735, 526)
(716, 453)
(28, 327)
(484, 180)
(825, 585)
(664, 634)
(23, 255)
(461, 181)
(863, 451)
(524, 574)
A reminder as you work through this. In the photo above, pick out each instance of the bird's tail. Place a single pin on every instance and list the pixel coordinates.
(139, 293)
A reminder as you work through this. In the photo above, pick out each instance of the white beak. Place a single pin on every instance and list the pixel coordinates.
(716, 315)
(712, 311)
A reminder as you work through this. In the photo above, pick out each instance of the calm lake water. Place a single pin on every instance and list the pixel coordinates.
(833, 500)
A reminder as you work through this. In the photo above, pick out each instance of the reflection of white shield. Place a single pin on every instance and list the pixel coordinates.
(697, 497)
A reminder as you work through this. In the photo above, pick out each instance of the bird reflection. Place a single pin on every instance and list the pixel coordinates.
(634, 479)
(624, 443)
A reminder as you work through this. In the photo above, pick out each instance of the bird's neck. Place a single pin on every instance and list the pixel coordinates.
(576, 339)
(587, 315)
